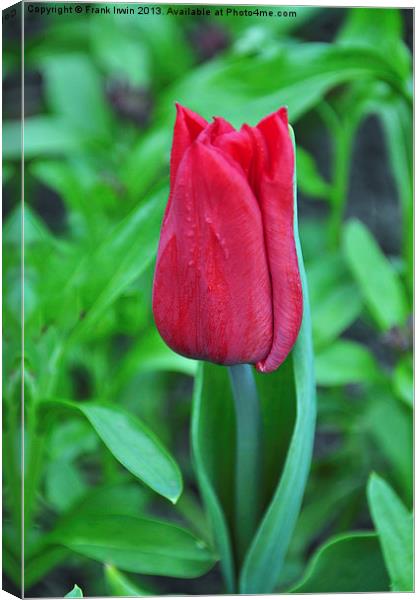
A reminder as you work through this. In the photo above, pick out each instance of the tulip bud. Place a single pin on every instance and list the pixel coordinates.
(227, 287)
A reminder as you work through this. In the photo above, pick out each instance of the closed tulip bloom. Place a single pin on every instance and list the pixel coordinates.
(227, 287)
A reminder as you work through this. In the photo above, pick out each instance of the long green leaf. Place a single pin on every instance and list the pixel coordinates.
(63, 484)
(75, 92)
(127, 252)
(278, 406)
(403, 383)
(138, 545)
(136, 447)
(335, 298)
(133, 445)
(40, 565)
(304, 73)
(325, 502)
(361, 29)
(150, 353)
(379, 284)
(120, 585)
(346, 563)
(264, 560)
(394, 525)
(344, 362)
(310, 180)
(44, 135)
(397, 120)
(389, 423)
(130, 498)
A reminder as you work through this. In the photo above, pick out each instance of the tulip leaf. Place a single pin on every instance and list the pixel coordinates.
(44, 135)
(161, 36)
(65, 97)
(340, 308)
(133, 445)
(360, 29)
(389, 423)
(403, 380)
(397, 119)
(63, 484)
(278, 405)
(118, 52)
(335, 298)
(128, 250)
(76, 592)
(37, 567)
(310, 181)
(379, 284)
(137, 545)
(131, 498)
(150, 353)
(151, 155)
(266, 554)
(346, 563)
(314, 232)
(360, 26)
(136, 448)
(323, 505)
(213, 441)
(304, 74)
(394, 525)
(344, 362)
(120, 585)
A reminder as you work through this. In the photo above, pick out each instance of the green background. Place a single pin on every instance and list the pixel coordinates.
(99, 111)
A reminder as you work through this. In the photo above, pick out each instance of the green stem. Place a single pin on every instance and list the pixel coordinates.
(342, 130)
(339, 190)
(248, 456)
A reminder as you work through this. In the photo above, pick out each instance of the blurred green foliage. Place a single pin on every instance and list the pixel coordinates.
(107, 404)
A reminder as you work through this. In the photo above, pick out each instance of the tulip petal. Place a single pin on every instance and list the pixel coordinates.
(188, 126)
(276, 197)
(212, 290)
(237, 147)
(217, 128)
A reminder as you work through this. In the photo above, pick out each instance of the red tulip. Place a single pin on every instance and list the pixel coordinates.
(227, 287)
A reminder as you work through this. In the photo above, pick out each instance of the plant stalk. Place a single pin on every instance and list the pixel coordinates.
(248, 456)
(340, 182)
